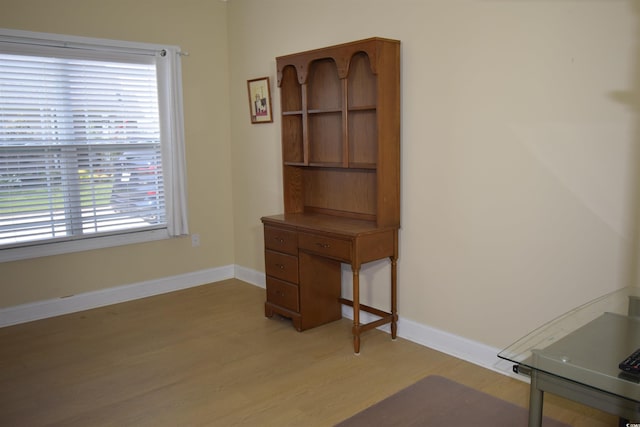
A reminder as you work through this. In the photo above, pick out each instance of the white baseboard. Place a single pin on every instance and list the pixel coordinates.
(85, 301)
(462, 348)
(253, 277)
(444, 342)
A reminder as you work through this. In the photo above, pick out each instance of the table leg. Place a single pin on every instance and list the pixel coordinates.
(394, 297)
(356, 308)
(536, 398)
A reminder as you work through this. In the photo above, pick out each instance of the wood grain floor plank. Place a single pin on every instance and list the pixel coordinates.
(207, 356)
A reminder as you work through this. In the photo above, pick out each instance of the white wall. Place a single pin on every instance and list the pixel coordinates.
(519, 149)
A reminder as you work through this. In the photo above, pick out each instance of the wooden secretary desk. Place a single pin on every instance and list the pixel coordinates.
(340, 108)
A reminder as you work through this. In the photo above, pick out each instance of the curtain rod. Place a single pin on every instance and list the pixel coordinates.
(99, 45)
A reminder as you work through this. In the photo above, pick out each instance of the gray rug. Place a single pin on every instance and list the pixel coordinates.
(436, 401)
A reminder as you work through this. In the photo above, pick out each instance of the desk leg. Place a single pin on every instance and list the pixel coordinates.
(394, 297)
(356, 308)
(536, 398)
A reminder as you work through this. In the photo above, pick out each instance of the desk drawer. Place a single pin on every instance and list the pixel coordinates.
(282, 294)
(281, 265)
(281, 240)
(326, 246)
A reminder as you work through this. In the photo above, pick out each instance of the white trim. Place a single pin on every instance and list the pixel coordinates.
(85, 301)
(459, 347)
(462, 348)
(251, 276)
(79, 245)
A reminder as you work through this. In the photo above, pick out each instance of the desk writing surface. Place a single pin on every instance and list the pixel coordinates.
(621, 301)
(327, 223)
(590, 355)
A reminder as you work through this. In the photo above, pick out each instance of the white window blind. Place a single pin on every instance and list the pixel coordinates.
(90, 143)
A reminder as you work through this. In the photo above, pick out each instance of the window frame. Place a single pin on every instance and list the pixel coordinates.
(168, 78)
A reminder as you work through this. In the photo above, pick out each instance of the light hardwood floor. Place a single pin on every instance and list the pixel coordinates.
(208, 356)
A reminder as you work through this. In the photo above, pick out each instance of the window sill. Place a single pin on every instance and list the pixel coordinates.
(36, 251)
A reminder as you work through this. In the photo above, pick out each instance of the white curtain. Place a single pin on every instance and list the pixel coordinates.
(172, 131)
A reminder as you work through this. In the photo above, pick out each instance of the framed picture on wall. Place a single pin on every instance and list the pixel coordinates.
(259, 100)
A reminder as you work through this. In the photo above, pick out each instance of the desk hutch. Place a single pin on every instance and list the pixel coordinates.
(340, 112)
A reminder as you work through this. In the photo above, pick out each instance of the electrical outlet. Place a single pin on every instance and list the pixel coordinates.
(195, 240)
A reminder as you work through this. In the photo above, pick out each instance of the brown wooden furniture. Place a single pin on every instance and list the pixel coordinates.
(340, 109)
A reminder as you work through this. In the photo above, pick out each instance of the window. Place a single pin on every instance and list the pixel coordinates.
(91, 144)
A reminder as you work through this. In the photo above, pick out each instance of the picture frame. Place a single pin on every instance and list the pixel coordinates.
(260, 100)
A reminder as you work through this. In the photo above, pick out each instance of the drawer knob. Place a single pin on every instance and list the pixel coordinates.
(279, 239)
(280, 266)
(323, 245)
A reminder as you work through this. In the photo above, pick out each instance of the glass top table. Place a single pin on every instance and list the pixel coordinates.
(577, 355)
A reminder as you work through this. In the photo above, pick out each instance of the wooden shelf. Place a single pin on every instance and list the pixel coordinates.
(325, 111)
(362, 108)
(341, 180)
(340, 110)
(367, 166)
